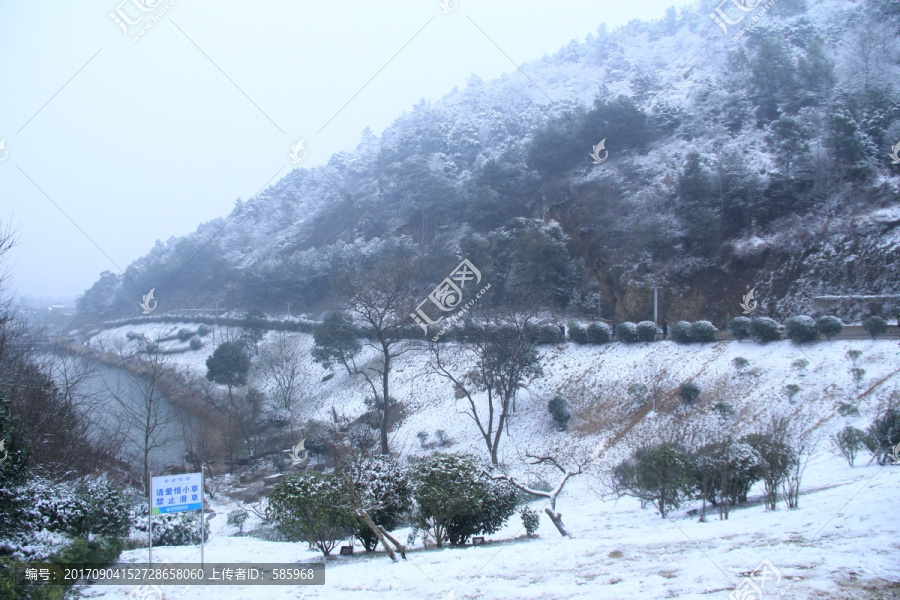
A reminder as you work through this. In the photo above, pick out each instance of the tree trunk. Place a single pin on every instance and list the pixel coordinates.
(386, 398)
(400, 547)
(557, 520)
(377, 531)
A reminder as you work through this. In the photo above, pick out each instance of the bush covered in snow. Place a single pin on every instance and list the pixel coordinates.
(544, 333)
(599, 333)
(237, 518)
(559, 410)
(874, 325)
(627, 332)
(456, 500)
(848, 442)
(530, 520)
(681, 332)
(308, 506)
(646, 331)
(578, 333)
(739, 327)
(86, 507)
(660, 475)
(703, 331)
(494, 509)
(196, 343)
(382, 488)
(171, 529)
(723, 473)
(829, 326)
(764, 329)
(800, 329)
(883, 435)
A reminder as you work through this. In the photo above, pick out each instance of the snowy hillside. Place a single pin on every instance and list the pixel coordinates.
(841, 542)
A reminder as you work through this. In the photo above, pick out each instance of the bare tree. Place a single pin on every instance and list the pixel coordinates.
(282, 363)
(144, 410)
(505, 359)
(379, 293)
(568, 463)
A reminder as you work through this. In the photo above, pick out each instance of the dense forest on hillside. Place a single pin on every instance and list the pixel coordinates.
(762, 161)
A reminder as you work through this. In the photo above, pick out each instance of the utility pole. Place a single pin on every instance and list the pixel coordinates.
(289, 309)
(656, 304)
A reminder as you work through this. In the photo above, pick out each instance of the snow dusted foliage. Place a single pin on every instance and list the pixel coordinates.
(172, 529)
(681, 332)
(829, 326)
(313, 507)
(530, 520)
(560, 411)
(703, 331)
(800, 329)
(739, 327)
(81, 508)
(627, 332)
(764, 329)
(874, 325)
(578, 333)
(599, 333)
(646, 331)
(456, 499)
(382, 489)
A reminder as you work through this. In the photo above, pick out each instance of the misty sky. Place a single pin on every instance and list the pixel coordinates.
(140, 141)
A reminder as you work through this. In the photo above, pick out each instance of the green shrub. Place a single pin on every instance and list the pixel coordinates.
(883, 435)
(829, 326)
(739, 327)
(660, 475)
(599, 333)
(307, 506)
(740, 363)
(542, 334)
(530, 520)
(849, 441)
(681, 332)
(237, 518)
(874, 325)
(627, 332)
(559, 410)
(578, 333)
(494, 509)
(447, 487)
(703, 331)
(689, 392)
(646, 331)
(800, 329)
(764, 329)
(196, 343)
(171, 529)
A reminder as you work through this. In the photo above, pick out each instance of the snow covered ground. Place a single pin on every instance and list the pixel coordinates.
(842, 541)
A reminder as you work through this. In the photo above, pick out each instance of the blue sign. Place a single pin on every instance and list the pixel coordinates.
(176, 493)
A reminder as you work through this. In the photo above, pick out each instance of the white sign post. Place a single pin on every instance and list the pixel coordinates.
(176, 493)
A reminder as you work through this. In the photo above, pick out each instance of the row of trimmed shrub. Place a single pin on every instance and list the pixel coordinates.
(682, 331)
(799, 329)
